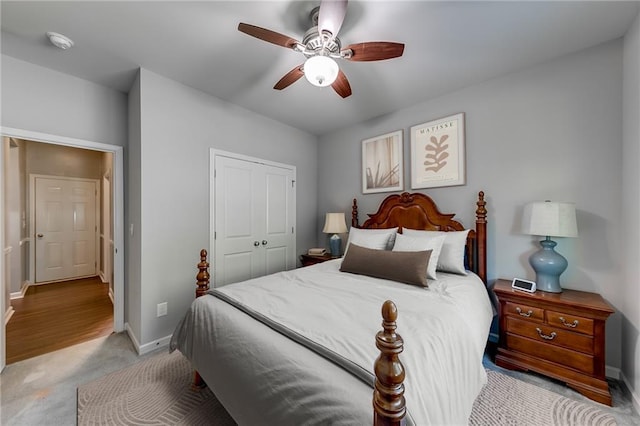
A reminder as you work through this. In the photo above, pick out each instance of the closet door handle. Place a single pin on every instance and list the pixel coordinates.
(264, 242)
(256, 243)
(40, 235)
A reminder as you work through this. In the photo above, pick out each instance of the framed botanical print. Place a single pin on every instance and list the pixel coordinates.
(382, 168)
(438, 153)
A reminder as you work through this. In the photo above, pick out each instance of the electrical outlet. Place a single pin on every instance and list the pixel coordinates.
(162, 309)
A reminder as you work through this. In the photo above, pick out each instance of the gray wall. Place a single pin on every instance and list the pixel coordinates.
(630, 289)
(553, 131)
(132, 215)
(178, 126)
(42, 100)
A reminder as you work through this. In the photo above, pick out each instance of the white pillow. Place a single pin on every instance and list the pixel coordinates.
(406, 243)
(378, 239)
(452, 255)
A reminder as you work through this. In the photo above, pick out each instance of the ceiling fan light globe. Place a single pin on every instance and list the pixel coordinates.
(321, 71)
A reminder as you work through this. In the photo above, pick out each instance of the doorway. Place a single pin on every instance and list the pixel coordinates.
(116, 233)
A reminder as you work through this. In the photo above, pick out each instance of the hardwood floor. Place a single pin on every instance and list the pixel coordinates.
(58, 315)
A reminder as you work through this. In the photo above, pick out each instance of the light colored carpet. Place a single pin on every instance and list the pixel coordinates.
(508, 401)
(157, 391)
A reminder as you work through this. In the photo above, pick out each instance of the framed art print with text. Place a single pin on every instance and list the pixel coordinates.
(438, 153)
(382, 169)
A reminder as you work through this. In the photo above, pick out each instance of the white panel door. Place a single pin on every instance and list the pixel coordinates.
(278, 241)
(65, 228)
(254, 215)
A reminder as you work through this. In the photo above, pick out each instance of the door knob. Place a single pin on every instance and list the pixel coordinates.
(40, 235)
(264, 242)
(256, 243)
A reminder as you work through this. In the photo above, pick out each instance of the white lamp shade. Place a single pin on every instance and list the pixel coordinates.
(552, 219)
(320, 71)
(335, 224)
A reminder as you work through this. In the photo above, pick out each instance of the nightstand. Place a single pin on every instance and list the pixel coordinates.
(560, 335)
(308, 260)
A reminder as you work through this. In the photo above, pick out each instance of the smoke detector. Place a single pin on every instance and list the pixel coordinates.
(59, 40)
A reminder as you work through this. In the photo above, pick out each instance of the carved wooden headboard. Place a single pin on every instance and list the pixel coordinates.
(419, 211)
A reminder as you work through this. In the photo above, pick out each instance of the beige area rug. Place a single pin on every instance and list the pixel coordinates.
(157, 392)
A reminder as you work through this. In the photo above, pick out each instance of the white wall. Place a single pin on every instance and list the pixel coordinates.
(630, 285)
(178, 127)
(553, 131)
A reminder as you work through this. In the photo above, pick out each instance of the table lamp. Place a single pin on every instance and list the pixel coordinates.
(335, 224)
(549, 219)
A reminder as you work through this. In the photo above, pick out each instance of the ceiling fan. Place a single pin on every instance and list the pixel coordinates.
(320, 45)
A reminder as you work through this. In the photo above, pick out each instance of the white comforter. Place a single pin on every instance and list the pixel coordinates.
(444, 327)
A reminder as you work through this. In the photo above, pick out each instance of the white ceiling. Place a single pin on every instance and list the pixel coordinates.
(449, 45)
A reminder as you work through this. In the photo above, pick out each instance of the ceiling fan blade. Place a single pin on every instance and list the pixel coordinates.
(341, 85)
(267, 35)
(289, 78)
(374, 51)
(331, 16)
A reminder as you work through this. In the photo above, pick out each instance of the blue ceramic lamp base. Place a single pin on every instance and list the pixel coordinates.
(549, 265)
(335, 243)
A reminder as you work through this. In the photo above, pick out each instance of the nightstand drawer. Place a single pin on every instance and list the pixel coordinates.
(550, 335)
(570, 322)
(572, 359)
(524, 311)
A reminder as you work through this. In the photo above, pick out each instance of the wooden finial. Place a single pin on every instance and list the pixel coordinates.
(388, 396)
(481, 211)
(481, 237)
(202, 279)
(354, 214)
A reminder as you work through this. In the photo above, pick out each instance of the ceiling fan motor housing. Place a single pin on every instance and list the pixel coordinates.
(314, 43)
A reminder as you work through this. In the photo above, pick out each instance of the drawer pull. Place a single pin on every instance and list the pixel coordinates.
(546, 336)
(573, 324)
(524, 314)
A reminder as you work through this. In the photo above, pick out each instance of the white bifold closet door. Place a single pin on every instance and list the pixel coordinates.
(254, 219)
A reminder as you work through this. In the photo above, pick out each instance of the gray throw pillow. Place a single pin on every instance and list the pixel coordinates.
(409, 267)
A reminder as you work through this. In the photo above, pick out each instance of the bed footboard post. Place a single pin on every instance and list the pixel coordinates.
(389, 405)
(481, 236)
(202, 281)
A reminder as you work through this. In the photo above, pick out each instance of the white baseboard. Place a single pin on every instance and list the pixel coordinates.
(23, 290)
(635, 396)
(612, 372)
(111, 296)
(147, 347)
(102, 277)
(8, 314)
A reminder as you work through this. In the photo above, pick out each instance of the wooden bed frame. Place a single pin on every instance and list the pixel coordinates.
(413, 211)
(419, 211)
